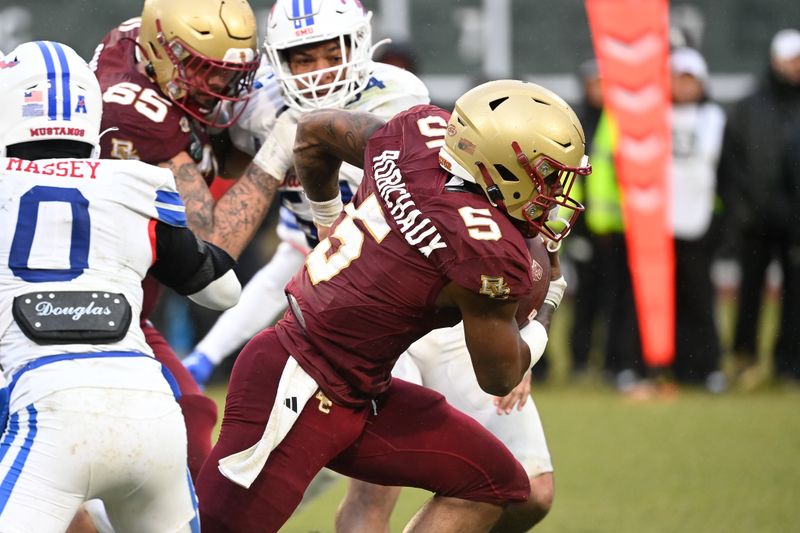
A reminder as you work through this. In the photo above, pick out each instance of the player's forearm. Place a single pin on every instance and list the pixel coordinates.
(326, 138)
(238, 214)
(195, 194)
(316, 166)
(231, 222)
(545, 315)
(501, 358)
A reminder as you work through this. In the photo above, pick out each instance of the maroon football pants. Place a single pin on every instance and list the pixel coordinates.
(416, 439)
(199, 412)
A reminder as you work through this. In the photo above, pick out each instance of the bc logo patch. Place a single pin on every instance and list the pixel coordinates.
(494, 287)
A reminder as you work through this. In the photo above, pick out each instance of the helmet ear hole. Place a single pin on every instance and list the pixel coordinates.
(506, 174)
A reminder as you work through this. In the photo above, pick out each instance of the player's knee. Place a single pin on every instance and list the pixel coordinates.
(518, 518)
(366, 508)
(542, 493)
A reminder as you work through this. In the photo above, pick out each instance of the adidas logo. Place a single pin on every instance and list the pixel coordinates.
(291, 403)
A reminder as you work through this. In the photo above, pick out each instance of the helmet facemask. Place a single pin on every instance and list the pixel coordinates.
(552, 214)
(314, 90)
(206, 88)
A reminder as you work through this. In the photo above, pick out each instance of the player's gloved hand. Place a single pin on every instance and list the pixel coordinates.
(199, 366)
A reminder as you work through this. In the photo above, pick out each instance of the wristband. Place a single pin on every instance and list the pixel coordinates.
(555, 292)
(325, 213)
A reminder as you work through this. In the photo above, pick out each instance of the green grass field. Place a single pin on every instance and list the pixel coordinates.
(695, 463)
(698, 463)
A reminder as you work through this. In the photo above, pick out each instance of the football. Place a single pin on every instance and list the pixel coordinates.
(540, 269)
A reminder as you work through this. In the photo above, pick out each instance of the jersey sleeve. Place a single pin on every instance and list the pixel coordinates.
(498, 269)
(151, 190)
(391, 90)
(258, 117)
(168, 202)
(138, 137)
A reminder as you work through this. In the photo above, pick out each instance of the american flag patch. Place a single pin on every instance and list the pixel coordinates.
(33, 97)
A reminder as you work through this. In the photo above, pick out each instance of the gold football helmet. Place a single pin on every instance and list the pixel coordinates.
(524, 146)
(201, 53)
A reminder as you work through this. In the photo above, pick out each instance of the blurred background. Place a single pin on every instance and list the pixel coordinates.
(456, 42)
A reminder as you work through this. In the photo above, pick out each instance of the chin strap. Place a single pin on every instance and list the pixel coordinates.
(525, 163)
(492, 190)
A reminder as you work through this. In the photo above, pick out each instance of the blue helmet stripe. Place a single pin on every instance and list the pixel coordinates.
(309, 12)
(51, 79)
(306, 17)
(67, 103)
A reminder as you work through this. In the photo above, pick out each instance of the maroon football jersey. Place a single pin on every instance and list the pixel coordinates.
(148, 126)
(369, 291)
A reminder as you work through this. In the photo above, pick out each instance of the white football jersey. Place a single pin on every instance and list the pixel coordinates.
(260, 112)
(78, 225)
(389, 91)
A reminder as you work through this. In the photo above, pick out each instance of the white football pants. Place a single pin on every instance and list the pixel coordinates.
(125, 447)
(440, 361)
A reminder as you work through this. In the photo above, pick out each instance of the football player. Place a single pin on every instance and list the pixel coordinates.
(326, 62)
(90, 412)
(441, 361)
(435, 234)
(167, 79)
(313, 72)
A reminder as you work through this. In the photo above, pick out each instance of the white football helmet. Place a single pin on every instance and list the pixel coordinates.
(48, 92)
(294, 23)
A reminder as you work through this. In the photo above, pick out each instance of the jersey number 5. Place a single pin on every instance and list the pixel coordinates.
(321, 266)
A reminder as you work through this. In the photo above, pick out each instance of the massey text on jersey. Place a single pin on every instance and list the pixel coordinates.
(389, 181)
(65, 168)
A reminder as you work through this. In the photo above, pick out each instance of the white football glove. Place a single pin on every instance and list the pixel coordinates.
(556, 291)
(276, 156)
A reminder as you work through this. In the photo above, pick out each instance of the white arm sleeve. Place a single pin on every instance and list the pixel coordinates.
(220, 294)
(536, 336)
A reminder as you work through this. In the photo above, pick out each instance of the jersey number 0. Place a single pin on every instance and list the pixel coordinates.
(25, 230)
